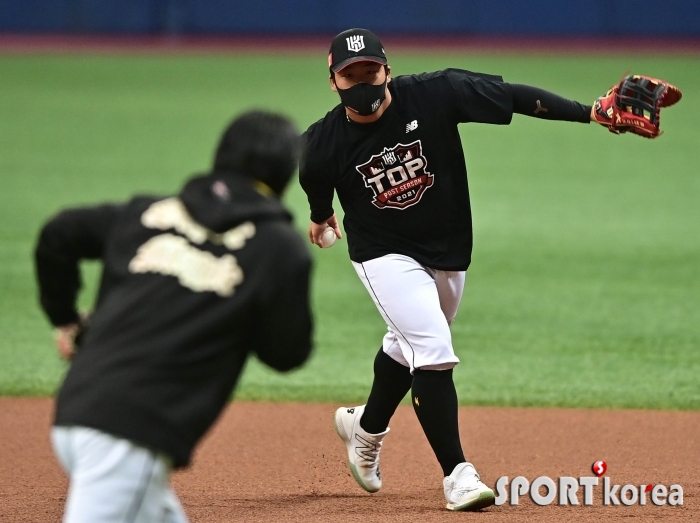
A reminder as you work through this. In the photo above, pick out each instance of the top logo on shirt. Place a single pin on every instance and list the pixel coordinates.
(397, 176)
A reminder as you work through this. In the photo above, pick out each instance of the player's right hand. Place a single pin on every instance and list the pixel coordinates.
(69, 337)
(65, 339)
(316, 230)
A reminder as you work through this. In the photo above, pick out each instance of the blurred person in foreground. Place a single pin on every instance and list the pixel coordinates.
(191, 285)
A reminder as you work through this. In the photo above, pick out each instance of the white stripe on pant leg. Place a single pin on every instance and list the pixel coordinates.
(112, 480)
(406, 296)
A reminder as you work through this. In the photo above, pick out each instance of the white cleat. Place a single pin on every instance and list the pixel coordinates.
(363, 448)
(465, 491)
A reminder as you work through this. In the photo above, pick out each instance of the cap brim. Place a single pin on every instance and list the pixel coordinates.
(345, 63)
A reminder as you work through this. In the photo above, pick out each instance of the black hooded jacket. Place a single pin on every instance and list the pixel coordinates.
(191, 285)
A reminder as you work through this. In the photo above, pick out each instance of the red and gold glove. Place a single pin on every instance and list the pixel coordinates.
(634, 105)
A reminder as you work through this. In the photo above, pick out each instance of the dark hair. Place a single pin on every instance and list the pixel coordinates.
(260, 144)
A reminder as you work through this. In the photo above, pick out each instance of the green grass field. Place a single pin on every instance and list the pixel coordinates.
(585, 284)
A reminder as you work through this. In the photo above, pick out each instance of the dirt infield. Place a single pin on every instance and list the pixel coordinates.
(283, 462)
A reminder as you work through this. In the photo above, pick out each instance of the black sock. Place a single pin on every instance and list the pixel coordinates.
(435, 403)
(391, 383)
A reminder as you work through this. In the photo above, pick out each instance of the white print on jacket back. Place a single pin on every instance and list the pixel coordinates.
(171, 213)
(197, 270)
(172, 255)
(398, 176)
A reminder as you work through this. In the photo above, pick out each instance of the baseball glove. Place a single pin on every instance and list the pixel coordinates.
(634, 105)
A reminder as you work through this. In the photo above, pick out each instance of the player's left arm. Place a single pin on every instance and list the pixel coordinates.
(483, 98)
(539, 103)
(634, 105)
(67, 238)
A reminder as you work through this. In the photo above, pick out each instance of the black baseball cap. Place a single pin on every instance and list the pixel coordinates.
(355, 45)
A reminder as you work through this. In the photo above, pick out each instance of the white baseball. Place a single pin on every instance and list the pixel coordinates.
(328, 238)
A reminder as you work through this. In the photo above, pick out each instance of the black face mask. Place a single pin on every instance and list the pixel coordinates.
(365, 99)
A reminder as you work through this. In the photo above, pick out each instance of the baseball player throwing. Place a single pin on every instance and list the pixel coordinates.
(392, 151)
(192, 284)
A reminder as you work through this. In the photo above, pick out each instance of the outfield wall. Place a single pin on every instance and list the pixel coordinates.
(473, 17)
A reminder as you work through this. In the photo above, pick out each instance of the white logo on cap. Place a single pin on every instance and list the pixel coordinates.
(355, 43)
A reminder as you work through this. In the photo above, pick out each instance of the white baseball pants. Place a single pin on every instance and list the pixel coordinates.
(418, 305)
(114, 480)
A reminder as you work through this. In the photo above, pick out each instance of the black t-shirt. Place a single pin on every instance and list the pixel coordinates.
(402, 180)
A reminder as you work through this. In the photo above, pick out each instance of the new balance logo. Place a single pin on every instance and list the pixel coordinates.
(356, 43)
(412, 126)
(369, 451)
